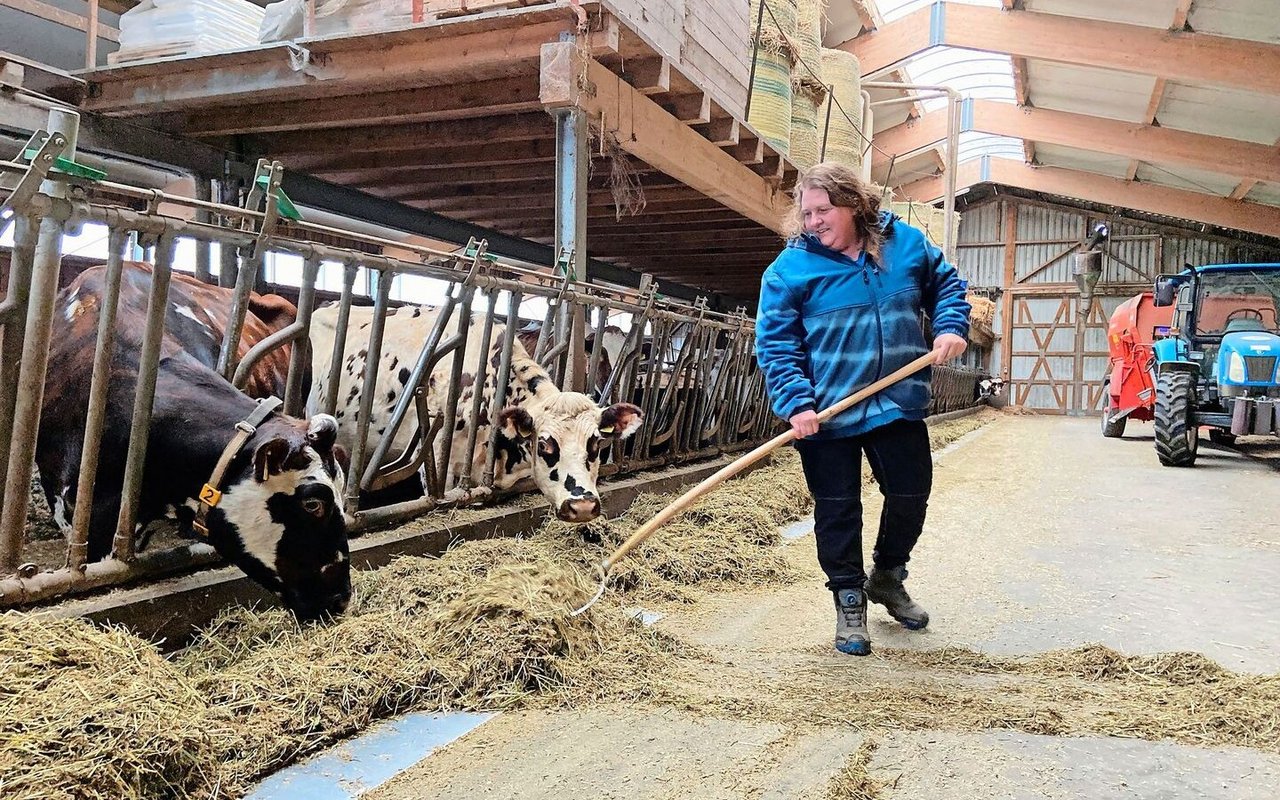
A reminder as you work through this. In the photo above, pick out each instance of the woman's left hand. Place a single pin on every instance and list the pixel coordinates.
(947, 346)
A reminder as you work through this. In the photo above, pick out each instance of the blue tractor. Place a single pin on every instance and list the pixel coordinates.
(1216, 366)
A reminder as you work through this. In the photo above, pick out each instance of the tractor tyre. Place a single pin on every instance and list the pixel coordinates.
(1177, 437)
(1110, 429)
(1219, 436)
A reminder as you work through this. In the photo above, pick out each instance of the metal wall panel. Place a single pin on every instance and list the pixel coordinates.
(981, 225)
(981, 266)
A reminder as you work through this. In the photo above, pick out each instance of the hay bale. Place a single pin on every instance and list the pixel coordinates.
(842, 74)
(89, 713)
(927, 218)
(808, 39)
(771, 89)
(805, 141)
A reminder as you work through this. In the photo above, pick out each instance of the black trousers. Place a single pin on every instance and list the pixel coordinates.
(902, 463)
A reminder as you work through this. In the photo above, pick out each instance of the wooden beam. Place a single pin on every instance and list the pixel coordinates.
(1020, 89)
(461, 100)
(645, 130)
(472, 155)
(408, 136)
(1149, 197)
(1242, 189)
(415, 59)
(1098, 134)
(1184, 57)
(865, 15)
(1180, 15)
(58, 16)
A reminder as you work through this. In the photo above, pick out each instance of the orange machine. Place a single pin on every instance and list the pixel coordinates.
(1128, 388)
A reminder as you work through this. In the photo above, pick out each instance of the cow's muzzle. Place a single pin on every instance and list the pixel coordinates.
(579, 509)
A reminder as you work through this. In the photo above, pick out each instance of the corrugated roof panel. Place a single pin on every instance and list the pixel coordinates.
(1265, 192)
(1240, 19)
(1085, 90)
(1087, 160)
(1221, 112)
(1150, 13)
(1180, 177)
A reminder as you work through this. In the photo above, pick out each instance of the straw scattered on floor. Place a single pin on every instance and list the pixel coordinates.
(92, 713)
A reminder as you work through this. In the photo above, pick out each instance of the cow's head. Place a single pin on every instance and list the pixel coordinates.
(565, 434)
(281, 517)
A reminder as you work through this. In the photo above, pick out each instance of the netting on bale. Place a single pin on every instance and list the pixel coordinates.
(842, 73)
(771, 88)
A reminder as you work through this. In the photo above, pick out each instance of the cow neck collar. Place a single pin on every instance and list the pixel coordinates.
(211, 492)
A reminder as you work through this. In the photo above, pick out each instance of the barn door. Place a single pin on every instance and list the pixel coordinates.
(1052, 367)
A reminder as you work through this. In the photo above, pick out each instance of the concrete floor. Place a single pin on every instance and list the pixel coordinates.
(1041, 535)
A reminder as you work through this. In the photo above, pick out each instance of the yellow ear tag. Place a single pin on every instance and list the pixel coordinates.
(607, 430)
(210, 496)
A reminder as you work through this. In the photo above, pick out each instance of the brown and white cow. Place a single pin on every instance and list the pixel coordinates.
(280, 518)
(552, 435)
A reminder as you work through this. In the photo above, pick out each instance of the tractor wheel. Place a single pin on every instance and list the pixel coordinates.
(1110, 429)
(1177, 437)
(1219, 436)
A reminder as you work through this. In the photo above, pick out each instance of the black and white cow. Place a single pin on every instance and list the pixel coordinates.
(552, 435)
(280, 519)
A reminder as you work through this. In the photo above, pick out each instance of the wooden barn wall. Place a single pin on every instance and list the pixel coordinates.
(1022, 251)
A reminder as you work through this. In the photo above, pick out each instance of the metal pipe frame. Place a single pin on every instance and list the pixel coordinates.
(77, 545)
(122, 548)
(373, 360)
(37, 332)
(482, 374)
(13, 315)
(294, 401)
(954, 99)
(455, 389)
(330, 404)
(704, 331)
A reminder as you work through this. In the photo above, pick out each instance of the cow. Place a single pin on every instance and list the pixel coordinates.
(555, 436)
(613, 339)
(280, 518)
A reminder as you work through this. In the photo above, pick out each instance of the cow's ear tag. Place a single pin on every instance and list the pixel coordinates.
(609, 429)
(210, 496)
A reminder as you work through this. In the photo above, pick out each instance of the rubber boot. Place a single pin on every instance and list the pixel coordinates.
(885, 587)
(851, 622)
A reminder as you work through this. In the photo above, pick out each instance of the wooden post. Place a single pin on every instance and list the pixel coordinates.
(91, 37)
(1007, 297)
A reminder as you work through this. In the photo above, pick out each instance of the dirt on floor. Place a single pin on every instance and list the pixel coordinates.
(1048, 552)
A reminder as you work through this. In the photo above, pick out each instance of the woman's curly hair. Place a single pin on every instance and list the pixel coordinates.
(846, 189)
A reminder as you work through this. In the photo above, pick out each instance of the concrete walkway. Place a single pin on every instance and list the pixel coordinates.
(1041, 535)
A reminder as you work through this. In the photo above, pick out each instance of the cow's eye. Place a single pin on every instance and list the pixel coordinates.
(313, 507)
(545, 447)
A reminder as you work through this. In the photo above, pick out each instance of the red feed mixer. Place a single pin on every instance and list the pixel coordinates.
(1128, 390)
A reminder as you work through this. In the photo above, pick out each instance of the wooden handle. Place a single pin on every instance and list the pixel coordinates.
(728, 471)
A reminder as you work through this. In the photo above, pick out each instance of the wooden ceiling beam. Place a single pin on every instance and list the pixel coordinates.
(416, 58)
(408, 136)
(645, 130)
(498, 96)
(1183, 56)
(1097, 134)
(1151, 198)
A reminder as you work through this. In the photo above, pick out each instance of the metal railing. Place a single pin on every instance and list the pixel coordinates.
(691, 370)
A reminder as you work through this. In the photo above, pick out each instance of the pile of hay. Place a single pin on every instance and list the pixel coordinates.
(91, 713)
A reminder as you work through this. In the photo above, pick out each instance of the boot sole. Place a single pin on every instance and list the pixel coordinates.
(906, 622)
(855, 648)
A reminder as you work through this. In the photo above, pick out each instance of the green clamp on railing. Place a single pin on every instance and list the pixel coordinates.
(68, 167)
(284, 206)
(564, 264)
(478, 248)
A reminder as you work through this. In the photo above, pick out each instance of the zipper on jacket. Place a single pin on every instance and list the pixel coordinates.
(875, 303)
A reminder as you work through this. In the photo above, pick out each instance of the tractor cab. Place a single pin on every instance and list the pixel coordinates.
(1217, 367)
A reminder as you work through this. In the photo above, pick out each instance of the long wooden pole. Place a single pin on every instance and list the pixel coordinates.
(688, 498)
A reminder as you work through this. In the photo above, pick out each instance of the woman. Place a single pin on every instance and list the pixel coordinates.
(839, 308)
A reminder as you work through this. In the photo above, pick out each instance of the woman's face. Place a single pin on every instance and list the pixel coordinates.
(833, 225)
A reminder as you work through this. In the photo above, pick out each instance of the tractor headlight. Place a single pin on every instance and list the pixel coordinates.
(1235, 368)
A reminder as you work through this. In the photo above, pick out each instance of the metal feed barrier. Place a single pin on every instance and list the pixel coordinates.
(691, 370)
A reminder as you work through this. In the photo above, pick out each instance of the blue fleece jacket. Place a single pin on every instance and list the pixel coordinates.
(828, 325)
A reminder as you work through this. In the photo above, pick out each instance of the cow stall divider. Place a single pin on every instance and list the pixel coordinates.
(691, 370)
